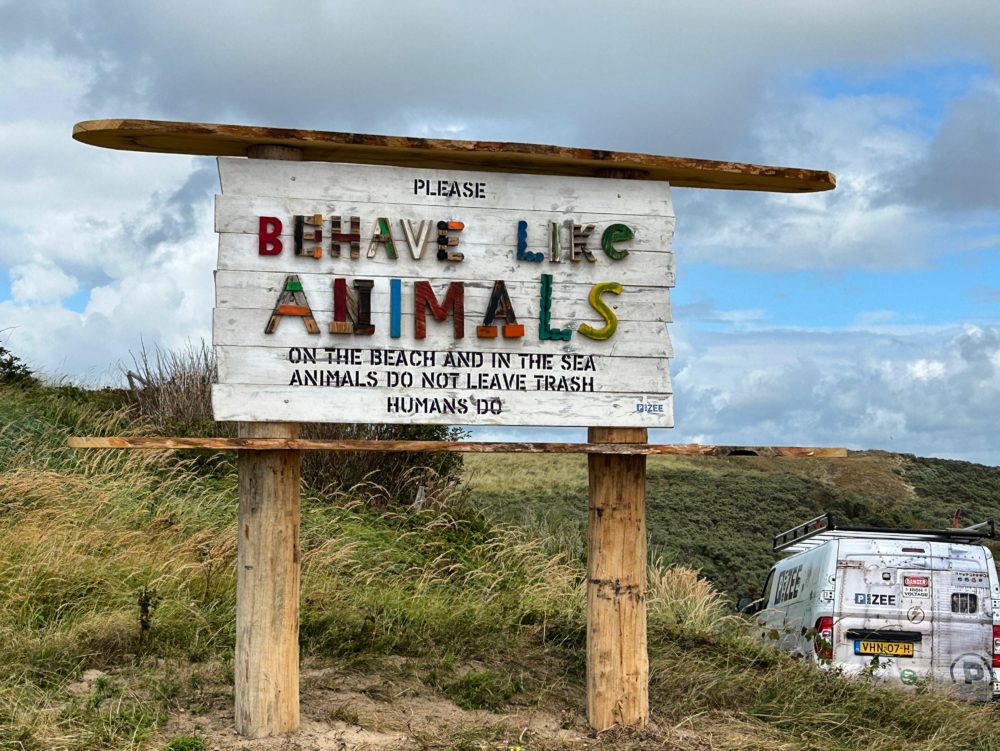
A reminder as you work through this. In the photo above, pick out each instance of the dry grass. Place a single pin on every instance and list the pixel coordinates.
(173, 389)
(681, 597)
(171, 392)
(491, 611)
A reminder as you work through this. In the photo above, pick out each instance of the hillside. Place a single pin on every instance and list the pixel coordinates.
(438, 628)
(719, 514)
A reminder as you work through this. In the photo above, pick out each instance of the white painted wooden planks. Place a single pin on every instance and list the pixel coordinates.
(362, 183)
(248, 403)
(277, 364)
(623, 380)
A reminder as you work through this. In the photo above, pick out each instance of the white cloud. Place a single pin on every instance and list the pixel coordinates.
(863, 140)
(158, 292)
(40, 282)
(926, 370)
(935, 393)
(723, 80)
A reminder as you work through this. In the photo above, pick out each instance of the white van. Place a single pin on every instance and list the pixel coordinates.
(903, 605)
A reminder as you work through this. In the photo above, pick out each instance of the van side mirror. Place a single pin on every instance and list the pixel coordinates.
(746, 605)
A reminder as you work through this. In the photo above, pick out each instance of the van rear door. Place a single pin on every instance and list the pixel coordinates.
(884, 617)
(963, 620)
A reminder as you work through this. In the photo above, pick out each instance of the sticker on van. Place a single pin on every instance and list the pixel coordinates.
(789, 582)
(916, 586)
(866, 598)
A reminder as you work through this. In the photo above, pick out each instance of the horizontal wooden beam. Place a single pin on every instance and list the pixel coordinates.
(213, 139)
(468, 447)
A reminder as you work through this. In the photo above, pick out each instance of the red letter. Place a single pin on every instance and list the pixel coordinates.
(269, 236)
(424, 298)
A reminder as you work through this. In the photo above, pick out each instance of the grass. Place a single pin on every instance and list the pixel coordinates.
(719, 515)
(117, 596)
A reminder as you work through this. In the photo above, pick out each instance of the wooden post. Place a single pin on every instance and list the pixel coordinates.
(266, 664)
(617, 661)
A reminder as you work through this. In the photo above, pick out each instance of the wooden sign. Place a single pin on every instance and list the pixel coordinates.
(401, 292)
(358, 293)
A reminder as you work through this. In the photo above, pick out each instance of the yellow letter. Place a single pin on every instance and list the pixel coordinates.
(610, 319)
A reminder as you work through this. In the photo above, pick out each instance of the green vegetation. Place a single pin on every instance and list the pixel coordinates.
(117, 597)
(719, 515)
(185, 743)
(487, 689)
(12, 370)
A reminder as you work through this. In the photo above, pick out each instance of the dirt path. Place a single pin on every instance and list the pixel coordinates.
(344, 710)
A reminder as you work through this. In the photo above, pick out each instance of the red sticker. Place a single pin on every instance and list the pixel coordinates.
(915, 581)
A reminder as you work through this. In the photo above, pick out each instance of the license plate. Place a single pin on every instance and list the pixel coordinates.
(888, 648)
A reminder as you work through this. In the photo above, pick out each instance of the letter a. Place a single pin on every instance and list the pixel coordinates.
(292, 302)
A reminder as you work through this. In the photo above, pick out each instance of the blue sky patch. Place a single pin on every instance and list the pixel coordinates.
(949, 292)
(932, 88)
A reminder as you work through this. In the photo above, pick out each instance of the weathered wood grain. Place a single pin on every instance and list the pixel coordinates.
(266, 662)
(468, 447)
(477, 236)
(266, 659)
(395, 185)
(617, 658)
(214, 139)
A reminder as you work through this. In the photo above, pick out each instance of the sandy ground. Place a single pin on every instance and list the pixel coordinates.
(347, 711)
(386, 705)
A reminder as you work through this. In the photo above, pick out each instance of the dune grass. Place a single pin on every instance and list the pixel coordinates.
(719, 514)
(117, 599)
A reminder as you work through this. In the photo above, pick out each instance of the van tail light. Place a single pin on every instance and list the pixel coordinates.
(996, 646)
(823, 641)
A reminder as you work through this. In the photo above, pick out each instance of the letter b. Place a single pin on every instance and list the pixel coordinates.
(269, 236)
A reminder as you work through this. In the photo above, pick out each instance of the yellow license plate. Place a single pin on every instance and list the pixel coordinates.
(888, 648)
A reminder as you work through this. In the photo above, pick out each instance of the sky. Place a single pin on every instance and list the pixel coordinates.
(865, 317)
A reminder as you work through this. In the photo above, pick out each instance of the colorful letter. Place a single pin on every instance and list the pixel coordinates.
(522, 245)
(338, 237)
(500, 307)
(555, 242)
(610, 319)
(269, 236)
(352, 313)
(580, 235)
(613, 234)
(395, 308)
(419, 240)
(302, 235)
(292, 302)
(545, 332)
(424, 298)
(446, 241)
(382, 236)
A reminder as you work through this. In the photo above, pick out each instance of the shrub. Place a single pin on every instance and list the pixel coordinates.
(173, 390)
(173, 394)
(13, 371)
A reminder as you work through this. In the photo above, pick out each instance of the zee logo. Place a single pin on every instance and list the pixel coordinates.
(648, 407)
(861, 598)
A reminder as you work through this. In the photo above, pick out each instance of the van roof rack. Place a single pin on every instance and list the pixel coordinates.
(822, 529)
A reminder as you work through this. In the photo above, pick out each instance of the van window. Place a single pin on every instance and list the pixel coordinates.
(765, 594)
(964, 602)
